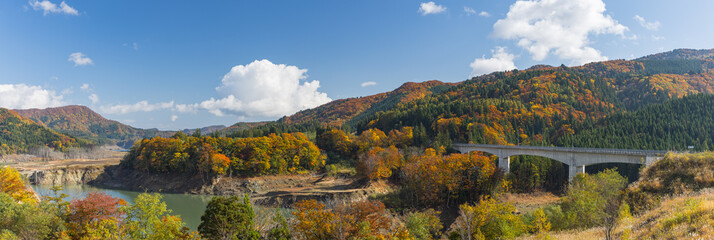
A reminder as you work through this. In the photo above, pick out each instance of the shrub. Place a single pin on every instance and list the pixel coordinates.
(423, 225)
(489, 219)
(676, 173)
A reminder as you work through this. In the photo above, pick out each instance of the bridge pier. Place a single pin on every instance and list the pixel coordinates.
(574, 170)
(505, 164)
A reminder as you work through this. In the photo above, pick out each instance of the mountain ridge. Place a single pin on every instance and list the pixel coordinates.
(341, 111)
(81, 121)
(690, 75)
(539, 105)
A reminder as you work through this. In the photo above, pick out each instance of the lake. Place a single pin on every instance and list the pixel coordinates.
(190, 207)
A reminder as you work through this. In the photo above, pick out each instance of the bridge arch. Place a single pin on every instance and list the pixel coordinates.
(504, 159)
(575, 158)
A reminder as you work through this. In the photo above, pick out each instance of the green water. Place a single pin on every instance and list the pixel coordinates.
(189, 207)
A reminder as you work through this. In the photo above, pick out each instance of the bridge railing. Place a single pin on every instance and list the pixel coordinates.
(569, 149)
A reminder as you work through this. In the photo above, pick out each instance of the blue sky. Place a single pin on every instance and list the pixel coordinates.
(187, 64)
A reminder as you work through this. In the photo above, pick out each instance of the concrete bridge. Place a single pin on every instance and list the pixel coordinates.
(575, 158)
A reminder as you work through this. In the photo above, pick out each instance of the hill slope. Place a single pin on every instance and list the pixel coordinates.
(350, 110)
(681, 54)
(205, 130)
(18, 134)
(542, 105)
(672, 125)
(82, 122)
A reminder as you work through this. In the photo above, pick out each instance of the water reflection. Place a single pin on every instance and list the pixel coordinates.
(189, 207)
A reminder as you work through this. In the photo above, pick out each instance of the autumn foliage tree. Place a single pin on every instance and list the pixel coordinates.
(209, 156)
(433, 179)
(96, 210)
(11, 182)
(148, 218)
(359, 220)
(489, 219)
(379, 163)
(338, 143)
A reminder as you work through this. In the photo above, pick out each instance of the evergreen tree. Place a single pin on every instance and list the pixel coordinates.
(228, 218)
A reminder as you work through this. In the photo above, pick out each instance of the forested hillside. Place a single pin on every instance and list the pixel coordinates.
(82, 122)
(208, 156)
(240, 126)
(19, 135)
(350, 110)
(542, 105)
(672, 125)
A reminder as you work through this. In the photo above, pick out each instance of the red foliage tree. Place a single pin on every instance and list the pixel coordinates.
(93, 209)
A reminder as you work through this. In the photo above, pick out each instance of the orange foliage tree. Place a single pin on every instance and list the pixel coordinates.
(379, 163)
(434, 179)
(359, 220)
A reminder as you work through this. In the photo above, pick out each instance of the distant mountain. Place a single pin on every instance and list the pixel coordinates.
(241, 126)
(205, 130)
(19, 134)
(82, 122)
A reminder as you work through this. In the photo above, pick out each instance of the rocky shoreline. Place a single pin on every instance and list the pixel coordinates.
(273, 191)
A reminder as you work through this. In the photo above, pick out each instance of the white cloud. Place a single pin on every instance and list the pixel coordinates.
(258, 89)
(469, 10)
(185, 108)
(94, 98)
(20, 96)
(652, 26)
(142, 106)
(561, 27)
(79, 59)
(431, 8)
(657, 38)
(48, 7)
(230, 104)
(368, 83)
(84, 87)
(484, 14)
(499, 61)
(173, 118)
(263, 89)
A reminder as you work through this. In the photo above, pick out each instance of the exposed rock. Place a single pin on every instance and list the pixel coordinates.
(272, 191)
(64, 176)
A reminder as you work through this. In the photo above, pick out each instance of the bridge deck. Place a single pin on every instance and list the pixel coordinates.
(569, 149)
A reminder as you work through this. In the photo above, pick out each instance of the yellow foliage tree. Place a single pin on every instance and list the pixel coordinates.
(11, 182)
